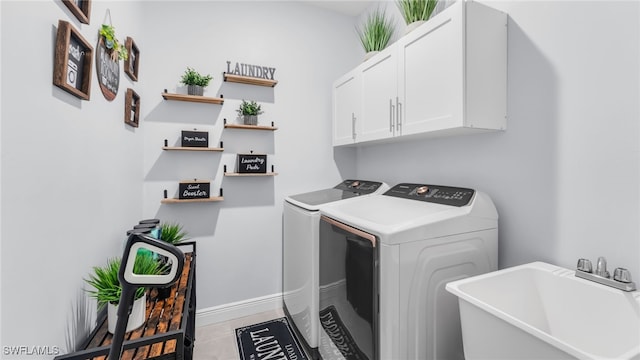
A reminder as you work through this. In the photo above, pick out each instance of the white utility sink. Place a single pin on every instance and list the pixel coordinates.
(542, 311)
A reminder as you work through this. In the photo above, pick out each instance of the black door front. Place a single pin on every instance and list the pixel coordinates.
(348, 292)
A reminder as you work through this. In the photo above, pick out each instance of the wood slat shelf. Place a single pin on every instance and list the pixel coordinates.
(193, 98)
(250, 127)
(186, 148)
(250, 174)
(249, 80)
(177, 201)
(168, 332)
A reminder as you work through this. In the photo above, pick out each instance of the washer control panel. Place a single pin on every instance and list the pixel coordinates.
(359, 186)
(438, 194)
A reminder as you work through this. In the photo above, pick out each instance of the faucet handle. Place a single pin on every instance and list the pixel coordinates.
(585, 265)
(622, 275)
(601, 267)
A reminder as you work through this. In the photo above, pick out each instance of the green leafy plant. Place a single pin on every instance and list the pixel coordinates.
(192, 77)
(118, 51)
(416, 10)
(249, 108)
(172, 233)
(105, 281)
(375, 32)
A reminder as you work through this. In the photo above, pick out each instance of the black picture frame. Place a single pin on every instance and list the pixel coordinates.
(132, 108)
(72, 62)
(80, 8)
(132, 64)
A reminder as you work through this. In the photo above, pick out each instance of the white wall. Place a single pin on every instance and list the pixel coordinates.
(565, 175)
(71, 177)
(239, 239)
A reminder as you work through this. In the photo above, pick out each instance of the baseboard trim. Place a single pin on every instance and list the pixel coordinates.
(238, 309)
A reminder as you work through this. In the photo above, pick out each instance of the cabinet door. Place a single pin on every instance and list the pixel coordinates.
(346, 108)
(430, 74)
(379, 94)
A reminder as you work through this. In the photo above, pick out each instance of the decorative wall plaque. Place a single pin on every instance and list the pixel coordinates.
(72, 63)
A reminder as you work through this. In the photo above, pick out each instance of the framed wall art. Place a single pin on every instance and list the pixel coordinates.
(73, 61)
(80, 8)
(132, 64)
(132, 108)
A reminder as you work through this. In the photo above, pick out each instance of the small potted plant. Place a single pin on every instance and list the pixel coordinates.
(416, 12)
(375, 33)
(118, 50)
(107, 289)
(195, 81)
(250, 110)
(173, 234)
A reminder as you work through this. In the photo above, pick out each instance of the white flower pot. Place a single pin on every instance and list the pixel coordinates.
(251, 119)
(136, 318)
(369, 55)
(413, 26)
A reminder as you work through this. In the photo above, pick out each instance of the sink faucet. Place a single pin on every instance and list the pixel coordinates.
(621, 276)
(601, 267)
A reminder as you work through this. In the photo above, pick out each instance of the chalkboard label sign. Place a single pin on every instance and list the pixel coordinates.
(195, 138)
(194, 190)
(108, 71)
(252, 163)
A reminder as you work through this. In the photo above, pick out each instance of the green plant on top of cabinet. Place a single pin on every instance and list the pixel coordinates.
(447, 77)
(375, 33)
(416, 12)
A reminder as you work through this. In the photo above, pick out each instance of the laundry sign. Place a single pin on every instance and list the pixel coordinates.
(195, 138)
(257, 71)
(194, 189)
(252, 163)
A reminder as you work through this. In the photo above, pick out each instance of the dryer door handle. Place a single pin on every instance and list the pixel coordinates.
(350, 230)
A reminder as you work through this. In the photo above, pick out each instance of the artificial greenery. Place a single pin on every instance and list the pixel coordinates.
(416, 10)
(249, 108)
(118, 51)
(376, 31)
(105, 279)
(192, 77)
(172, 233)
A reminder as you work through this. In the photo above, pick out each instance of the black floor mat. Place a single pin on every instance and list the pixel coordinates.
(271, 340)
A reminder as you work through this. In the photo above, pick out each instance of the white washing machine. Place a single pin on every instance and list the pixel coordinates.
(300, 253)
(384, 262)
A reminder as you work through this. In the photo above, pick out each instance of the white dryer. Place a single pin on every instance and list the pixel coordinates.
(301, 217)
(384, 262)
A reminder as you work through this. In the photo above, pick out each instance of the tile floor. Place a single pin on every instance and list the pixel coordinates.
(218, 341)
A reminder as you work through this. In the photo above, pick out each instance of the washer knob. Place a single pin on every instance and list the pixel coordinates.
(355, 183)
(422, 190)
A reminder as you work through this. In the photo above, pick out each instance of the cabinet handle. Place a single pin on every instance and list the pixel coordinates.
(353, 126)
(399, 116)
(391, 111)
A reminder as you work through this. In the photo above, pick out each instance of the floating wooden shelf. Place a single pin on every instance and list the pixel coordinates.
(250, 174)
(250, 127)
(186, 148)
(249, 80)
(176, 201)
(193, 98)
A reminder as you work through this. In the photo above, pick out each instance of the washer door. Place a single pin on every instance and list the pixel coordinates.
(348, 308)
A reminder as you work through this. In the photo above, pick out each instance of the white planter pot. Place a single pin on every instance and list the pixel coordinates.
(369, 55)
(413, 26)
(136, 318)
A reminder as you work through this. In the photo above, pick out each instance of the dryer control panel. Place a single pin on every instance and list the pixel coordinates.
(438, 194)
(359, 186)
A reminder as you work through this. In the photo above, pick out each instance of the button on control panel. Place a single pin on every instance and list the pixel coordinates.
(359, 186)
(438, 194)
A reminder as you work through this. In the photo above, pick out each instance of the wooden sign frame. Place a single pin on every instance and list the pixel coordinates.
(132, 108)
(132, 64)
(107, 71)
(80, 8)
(72, 73)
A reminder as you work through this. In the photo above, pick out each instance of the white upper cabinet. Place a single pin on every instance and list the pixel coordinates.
(447, 77)
(347, 108)
(379, 96)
